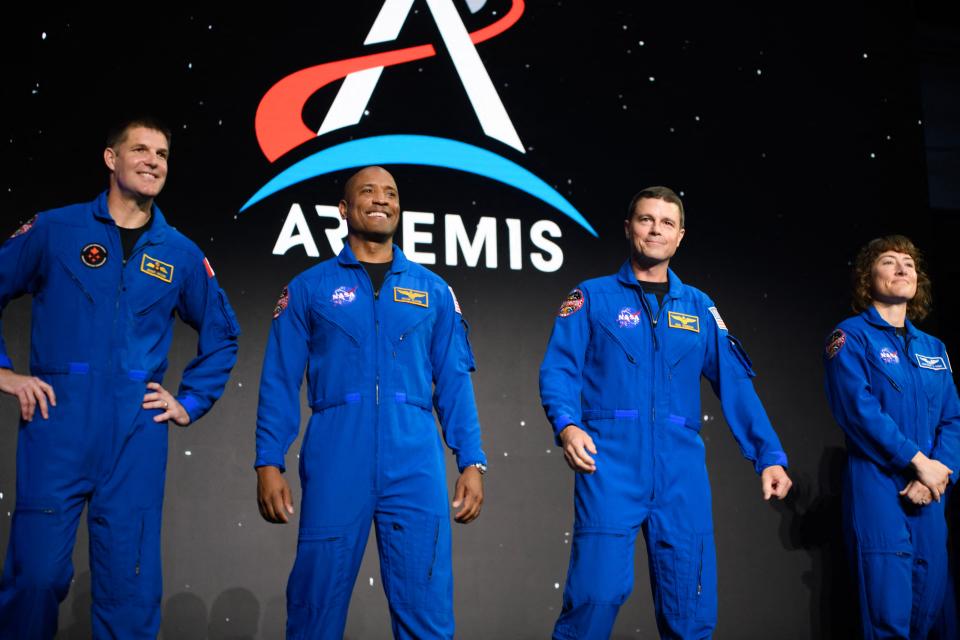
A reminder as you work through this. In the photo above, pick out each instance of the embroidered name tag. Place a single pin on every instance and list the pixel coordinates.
(411, 296)
(683, 321)
(934, 363)
(156, 268)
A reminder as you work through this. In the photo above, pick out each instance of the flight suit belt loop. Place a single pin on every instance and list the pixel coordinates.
(83, 368)
(400, 397)
(608, 414)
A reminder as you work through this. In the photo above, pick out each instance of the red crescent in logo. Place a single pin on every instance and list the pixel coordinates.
(279, 120)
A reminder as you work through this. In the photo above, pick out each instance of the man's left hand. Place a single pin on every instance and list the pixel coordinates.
(163, 399)
(468, 495)
(775, 481)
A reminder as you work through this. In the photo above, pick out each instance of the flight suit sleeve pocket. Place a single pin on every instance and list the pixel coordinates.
(741, 359)
(231, 326)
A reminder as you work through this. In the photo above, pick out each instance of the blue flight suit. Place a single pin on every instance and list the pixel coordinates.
(628, 373)
(893, 398)
(376, 367)
(101, 329)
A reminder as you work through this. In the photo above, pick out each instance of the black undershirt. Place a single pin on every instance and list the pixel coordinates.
(658, 289)
(129, 237)
(378, 273)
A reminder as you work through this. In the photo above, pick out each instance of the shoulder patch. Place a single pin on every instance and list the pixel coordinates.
(26, 226)
(835, 343)
(412, 296)
(456, 303)
(281, 303)
(206, 265)
(716, 316)
(571, 304)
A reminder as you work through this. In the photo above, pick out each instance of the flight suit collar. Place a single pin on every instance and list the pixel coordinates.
(627, 278)
(873, 317)
(154, 235)
(400, 261)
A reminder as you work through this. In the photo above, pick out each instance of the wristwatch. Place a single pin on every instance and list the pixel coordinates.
(482, 468)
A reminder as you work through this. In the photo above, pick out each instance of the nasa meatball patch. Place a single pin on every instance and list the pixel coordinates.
(281, 303)
(571, 304)
(835, 343)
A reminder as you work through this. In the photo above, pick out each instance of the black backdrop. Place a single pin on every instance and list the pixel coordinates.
(795, 135)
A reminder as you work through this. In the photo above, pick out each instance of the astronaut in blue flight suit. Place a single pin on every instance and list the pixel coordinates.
(620, 384)
(106, 278)
(383, 342)
(891, 390)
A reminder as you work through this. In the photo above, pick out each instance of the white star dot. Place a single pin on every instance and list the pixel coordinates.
(523, 423)
(641, 43)
(556, 585)
(624, 27)
(189, 65)
(371, 582)
(188, 453)
(651, 79)
(548, 450)
(239, 384)
(759, 72)
(366, 112)
(873, 155)
(505, 454)
(864, 56)
(697, 118)
(43, 36)
(239, 524)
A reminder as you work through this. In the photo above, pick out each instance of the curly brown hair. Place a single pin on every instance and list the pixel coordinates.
(919, 306)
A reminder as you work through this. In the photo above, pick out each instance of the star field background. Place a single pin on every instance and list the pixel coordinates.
(795, 134)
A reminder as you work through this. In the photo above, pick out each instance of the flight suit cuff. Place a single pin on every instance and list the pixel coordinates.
(770, 459)
(5, 362)
(191, 405)
(562, 423)
(465, 461)
(903, 456)
(268, 460)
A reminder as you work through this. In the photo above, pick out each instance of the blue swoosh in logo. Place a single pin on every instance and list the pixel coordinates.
(419, 150)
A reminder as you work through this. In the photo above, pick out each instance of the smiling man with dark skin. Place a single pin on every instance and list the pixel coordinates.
(383, 341)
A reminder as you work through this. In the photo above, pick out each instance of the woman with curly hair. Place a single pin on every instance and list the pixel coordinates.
(890, 387)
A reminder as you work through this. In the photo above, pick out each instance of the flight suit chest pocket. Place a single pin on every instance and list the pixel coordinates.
(888, 375)
(611, 344)
(330, 330)
(72, 281)
(682, 343)
(154, 300)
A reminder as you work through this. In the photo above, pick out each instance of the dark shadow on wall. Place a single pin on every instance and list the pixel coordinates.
(235, 615)
(184, 618)
(82, 601)
(811, 520)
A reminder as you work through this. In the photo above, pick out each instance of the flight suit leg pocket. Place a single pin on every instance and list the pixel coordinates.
(705, 590)
(886, 575)
(125, 557)
(318, 581)
(601, 566)
(415, 560)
